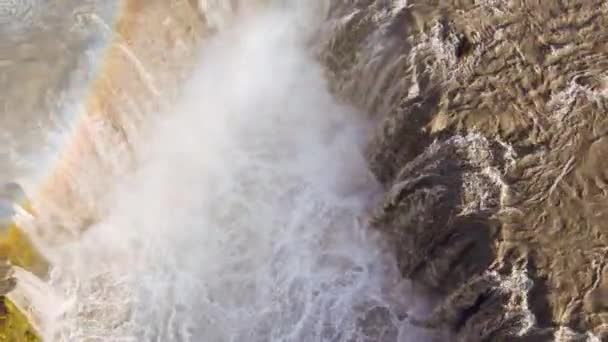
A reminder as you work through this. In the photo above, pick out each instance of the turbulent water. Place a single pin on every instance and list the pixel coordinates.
(192, 178)
(245, 218)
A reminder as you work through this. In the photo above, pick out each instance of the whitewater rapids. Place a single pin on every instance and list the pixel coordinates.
(245, 219)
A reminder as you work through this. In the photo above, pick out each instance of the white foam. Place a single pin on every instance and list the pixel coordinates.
(36, 300)
(245, 219)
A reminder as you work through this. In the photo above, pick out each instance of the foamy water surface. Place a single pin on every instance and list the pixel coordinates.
(245, 219)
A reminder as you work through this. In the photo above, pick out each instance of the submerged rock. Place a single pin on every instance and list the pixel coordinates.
(16, 250)
(491, 144)
(14, 326)
(16, 246)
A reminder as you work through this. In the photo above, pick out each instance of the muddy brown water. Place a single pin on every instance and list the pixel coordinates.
(491, 144)
(502, 103)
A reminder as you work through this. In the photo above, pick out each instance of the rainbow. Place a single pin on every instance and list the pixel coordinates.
(150, 45)
(150, 49)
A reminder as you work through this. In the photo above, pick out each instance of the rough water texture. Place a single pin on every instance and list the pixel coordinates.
(243, 219)
(45, 82)
(492, 148)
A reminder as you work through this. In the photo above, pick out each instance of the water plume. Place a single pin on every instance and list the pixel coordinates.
(245, 219)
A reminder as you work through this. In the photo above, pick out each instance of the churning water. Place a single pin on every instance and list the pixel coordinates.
(245, 219)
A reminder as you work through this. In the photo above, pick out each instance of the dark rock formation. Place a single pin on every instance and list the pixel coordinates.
(492, 144)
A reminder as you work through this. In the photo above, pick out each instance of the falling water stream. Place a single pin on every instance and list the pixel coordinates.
(245, 216)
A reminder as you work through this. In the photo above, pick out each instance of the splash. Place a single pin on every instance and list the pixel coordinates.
(245, 219)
